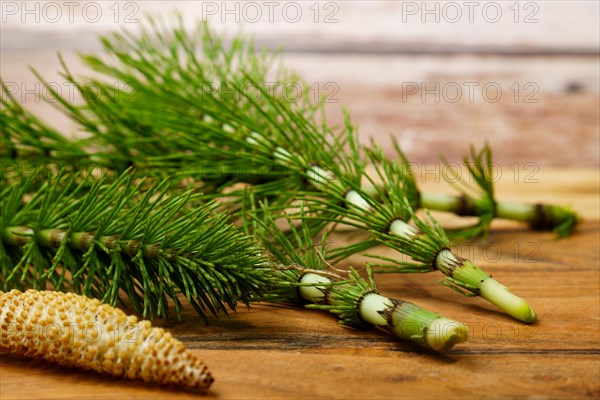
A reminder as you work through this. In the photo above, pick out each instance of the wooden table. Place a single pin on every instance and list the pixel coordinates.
(277, 352)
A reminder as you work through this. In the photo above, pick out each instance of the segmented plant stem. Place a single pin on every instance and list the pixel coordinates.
(117, 237)
(358, 302)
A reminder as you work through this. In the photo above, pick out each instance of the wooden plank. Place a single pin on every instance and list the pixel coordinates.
(358, 374)
(531, 110)
(438, 86)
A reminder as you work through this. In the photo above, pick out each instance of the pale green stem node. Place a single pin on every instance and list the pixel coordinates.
(318, 177)
(440, 202)
(401, 228)
(372, 307)
(311, 291)
(283, 155)
(411, 322)
(515, 211)
(354, 199)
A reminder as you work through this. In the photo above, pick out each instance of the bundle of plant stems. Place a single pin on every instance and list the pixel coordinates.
(304, 275)
(191, 116)
(137, 238)
(191, 88)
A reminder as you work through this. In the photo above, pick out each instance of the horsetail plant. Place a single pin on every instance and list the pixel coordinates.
(122, 236)
(76, 331)
(477, 198)
(164, 69)
(305, 276)
(280, 143)
(385, 215)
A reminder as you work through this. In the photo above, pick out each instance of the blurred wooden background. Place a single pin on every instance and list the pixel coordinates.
(523, 76)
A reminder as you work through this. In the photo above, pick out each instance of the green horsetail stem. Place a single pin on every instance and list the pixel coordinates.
(117, 239)
(461, 274)
(478, 282)
(538, 216)
(304, 275)
(83, 241)
(359, 304)
(477, 198)
(144, 64)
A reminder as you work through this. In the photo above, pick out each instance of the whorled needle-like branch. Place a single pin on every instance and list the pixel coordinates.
(304, 276)
(477, 198)
(76, 331)
(480, 201)
(179, 120)
(385, 216)
(304, 159)
(25, 136)
(280, 130)
(357, 302)
(115, 237)
(430, 245)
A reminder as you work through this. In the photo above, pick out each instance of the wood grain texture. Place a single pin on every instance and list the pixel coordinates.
(277, 352)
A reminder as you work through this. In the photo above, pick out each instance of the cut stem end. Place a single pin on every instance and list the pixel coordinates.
(499, 295)
(444, 333)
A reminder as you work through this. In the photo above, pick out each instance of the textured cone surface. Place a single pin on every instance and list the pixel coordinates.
(74, 330)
